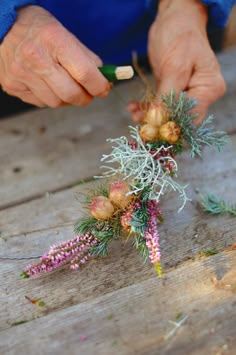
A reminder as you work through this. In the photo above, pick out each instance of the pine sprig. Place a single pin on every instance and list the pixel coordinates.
(101, 248)
(213, 205)
(138, 226)
(85, 225)
(205, 134)
(104, 231)
(100, 190)
(195, 137)
(180, 109)
(139, 220)
(139, 242)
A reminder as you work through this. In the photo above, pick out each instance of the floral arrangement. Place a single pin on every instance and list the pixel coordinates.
(139, 172)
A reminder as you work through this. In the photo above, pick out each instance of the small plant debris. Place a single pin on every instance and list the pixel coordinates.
(37, 302)
(178, 315)
(233, 247)
(110, 316)
(18, 322)
(214, 205)
(208, 252)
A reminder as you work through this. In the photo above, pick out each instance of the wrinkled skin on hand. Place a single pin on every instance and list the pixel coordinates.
(181, 57)
(45, 65)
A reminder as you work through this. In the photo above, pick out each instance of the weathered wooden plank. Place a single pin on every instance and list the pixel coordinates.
(29, 229)
(47, 150)
(135, 319)
(123, 267)
(214, 172)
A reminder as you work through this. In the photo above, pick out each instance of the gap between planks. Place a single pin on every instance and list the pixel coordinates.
(41, 195)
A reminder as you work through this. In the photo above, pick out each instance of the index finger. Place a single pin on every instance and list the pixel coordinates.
(82, 67)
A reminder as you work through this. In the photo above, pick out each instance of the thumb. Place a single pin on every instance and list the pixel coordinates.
(172, 79)
(203, 102)
(206, 95)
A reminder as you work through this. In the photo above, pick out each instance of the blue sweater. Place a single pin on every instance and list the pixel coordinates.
(112, 29)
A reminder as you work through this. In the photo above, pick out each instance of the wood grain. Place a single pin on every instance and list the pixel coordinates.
(31, 228)
(50, 149)
(65, 207)
(135, 319)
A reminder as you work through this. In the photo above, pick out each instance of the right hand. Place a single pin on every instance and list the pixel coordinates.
(45, 65)
(181, 57)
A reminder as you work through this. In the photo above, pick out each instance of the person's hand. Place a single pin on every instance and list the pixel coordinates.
(181, 57)
(45, 65)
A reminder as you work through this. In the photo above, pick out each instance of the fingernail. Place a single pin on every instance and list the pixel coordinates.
(106, 92)
(132, 106)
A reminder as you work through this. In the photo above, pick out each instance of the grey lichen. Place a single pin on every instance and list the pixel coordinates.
(142, 167)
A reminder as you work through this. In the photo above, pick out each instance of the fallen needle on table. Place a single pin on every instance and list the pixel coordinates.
(177, 325)
(37, 302)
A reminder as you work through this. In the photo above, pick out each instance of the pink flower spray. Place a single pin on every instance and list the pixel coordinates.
(74, 251)
(152, 235)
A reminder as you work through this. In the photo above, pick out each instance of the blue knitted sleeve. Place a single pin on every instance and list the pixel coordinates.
(219, 11)
(8, 13)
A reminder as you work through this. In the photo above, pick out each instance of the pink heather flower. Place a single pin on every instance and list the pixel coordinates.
(162, 153)
(75, 251)
(79, 260)
(133, 144)
(152, 235)
(127, 216)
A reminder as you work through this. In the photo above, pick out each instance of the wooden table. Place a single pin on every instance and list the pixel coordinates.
(115, 305)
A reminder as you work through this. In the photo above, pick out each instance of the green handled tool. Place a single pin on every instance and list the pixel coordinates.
(113, 73)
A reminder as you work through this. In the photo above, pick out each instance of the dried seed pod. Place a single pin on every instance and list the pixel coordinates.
(156, 116)
(169, 132)
(149, 132)
(101, 208)
(118, 194)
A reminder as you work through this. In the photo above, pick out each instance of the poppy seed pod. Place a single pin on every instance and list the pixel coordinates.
(118, 194)
(169, 132)
(156, 116)
(101, 208)
(149, 132)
